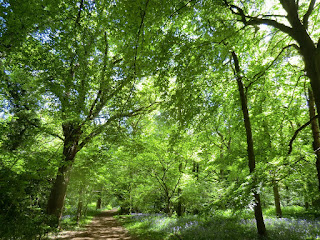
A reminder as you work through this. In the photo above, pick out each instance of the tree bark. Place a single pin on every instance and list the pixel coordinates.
(195, 169)
(315, 133)
(276, 195)
(99, 201)
(58, 192)
(179, 204)
(79, 210)
(251, 157)
(168, 206)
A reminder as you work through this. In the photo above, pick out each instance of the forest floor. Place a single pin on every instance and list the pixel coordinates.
(103, 226)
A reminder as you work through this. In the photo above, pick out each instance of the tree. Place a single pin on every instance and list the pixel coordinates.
(298, 15)
(251, 156)
(91, 62)
(315, 132)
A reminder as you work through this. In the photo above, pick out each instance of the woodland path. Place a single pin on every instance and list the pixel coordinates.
(103, 226)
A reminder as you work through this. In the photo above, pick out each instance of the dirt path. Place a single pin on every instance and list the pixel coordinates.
(103, 226)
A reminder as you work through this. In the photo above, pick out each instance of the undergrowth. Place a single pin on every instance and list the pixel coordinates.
(296, 224)
(69, 219)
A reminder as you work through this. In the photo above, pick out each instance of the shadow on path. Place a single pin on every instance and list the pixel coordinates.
(103, 226)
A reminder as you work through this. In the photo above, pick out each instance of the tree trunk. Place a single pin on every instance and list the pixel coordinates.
(195, 169)
(99, 201)
(130, 201)
(59, 188)
(315, 133)
(311, 57)
(251, 157)
(276, 195)
(168, 204)
(179, 205)
(58, 193)
(80, 203)
(79, 210)
(309, 50)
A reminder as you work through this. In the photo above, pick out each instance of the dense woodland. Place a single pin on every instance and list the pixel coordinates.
(176, 107)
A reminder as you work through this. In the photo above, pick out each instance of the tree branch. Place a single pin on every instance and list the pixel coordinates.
(179, 9)
(298, 130)
(98, 103)
(273, 15)
(138, 36)
(263, 21)
(46, 130)
(253, 21)
(100, 128)
(308, 13)
(77, 22)
(259, 74)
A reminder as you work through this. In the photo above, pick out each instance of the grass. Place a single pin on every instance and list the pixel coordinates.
(295, 225)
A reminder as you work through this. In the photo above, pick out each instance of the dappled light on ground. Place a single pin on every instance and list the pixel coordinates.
(103, 226)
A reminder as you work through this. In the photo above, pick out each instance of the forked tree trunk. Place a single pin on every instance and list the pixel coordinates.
(315, 133)
(251, 157)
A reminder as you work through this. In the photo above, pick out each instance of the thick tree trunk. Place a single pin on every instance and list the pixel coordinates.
(59, 188)
(251, 157)
(315, 133)
(311, 58)
(58, 193)
(276, 195)
(309, 50)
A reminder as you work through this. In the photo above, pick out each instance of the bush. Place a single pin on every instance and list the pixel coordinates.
(21, 215)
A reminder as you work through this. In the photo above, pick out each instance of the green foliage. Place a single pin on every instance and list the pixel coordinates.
(147, 92)
(22, 206)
